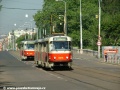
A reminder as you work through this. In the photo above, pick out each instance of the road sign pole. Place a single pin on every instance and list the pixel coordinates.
(98, 51)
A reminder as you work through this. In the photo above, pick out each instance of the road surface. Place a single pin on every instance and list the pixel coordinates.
(85, 75)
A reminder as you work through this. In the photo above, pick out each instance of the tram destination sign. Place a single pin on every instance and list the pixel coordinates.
(59, 39)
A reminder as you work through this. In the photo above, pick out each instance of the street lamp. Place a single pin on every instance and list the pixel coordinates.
(28, 22)
(30, 25)
(26, 15)
(81, 42)
(65, 18)
(15, 24)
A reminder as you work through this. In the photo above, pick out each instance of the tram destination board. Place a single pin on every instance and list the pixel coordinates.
(59, 39)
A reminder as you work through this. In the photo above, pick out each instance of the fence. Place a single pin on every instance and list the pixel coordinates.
(86, 51)
(111, 54)
(112, 58)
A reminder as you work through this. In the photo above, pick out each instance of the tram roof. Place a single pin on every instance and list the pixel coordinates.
(49, 38)
(28, 42)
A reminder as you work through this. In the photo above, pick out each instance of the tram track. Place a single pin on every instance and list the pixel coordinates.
(89, 72)
(97, 71)
(97, 86)
(89, 76)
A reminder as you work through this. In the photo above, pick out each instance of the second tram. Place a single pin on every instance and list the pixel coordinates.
(27, 49)
(53, 51)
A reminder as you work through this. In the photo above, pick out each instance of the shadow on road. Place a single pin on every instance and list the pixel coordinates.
(29, 59)
(2, 82)
(64, 68)
(56, 68)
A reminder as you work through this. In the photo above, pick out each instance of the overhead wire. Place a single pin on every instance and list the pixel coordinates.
(19, 8)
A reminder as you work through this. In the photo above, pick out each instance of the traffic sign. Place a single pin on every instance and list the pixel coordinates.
(98, 43)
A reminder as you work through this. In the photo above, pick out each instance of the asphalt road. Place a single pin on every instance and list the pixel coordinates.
(86, 74)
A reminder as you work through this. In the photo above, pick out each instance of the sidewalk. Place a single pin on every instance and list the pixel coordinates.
(84, 56)
(89, 57)
(16, 54)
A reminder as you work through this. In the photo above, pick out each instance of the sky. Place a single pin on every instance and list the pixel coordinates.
(13, 14)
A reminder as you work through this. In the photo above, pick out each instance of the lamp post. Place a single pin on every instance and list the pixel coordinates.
(81, 41)
(99, 38)
(13, 34)
(30, 25)
(65, 18)
(13, 40)
(28, 22)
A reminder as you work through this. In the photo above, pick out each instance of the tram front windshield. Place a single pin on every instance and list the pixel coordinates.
(60, 45)
(29, 46)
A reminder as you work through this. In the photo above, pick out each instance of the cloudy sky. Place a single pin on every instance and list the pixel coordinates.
(13, 14)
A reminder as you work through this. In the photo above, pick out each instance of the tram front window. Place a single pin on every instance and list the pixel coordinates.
(60, 45)
(29, 46)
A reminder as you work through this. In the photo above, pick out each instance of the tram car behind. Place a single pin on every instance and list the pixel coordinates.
(53, 51)
(27, 49)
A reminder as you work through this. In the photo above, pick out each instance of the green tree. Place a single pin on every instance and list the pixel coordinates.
(110, 22)
(22, 38)
(18, 41)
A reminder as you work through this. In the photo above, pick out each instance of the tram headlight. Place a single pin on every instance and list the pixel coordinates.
(66, 57)
(27, 53)
(54, 58)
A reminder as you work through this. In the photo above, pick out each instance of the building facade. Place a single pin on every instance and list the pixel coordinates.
(12, 37)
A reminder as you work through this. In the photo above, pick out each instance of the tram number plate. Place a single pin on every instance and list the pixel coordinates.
(60, 57)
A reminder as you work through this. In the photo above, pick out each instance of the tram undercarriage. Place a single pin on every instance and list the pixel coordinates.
(54, 64)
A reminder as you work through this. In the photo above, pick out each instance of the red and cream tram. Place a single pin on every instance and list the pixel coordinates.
(53, 51)
(27, 49)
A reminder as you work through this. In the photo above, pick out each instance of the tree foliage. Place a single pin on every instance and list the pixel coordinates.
(25, 37)
(110, 22)
(18, 41)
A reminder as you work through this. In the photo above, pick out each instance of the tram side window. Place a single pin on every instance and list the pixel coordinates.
(40, 47)
(36, 47)
(51, 46)
(70, 45)
(21, 47)
(44, 47)
(25, 46)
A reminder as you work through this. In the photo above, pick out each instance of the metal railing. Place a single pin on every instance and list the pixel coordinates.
(112, 58)
(86, 51)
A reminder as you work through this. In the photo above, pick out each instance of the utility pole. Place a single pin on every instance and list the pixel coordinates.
(65, 17)
(81, 42)
(99, 38)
